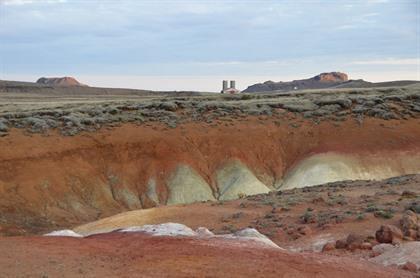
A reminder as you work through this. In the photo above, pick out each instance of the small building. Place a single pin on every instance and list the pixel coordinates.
(231, 89)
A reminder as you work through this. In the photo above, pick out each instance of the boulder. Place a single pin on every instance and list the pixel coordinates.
(354, 241)
(341, 244)
(328, 247)
(409, 224)
(410, 234)
(304, 230)
(389, 234)
(203, 231)
(366, 246)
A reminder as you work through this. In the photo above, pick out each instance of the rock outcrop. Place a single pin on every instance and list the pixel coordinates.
(332, 77)
(409, 225)
(397, 255)
(59, 81)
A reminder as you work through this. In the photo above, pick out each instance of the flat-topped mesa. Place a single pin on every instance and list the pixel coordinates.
(59, 81)
(332, 77)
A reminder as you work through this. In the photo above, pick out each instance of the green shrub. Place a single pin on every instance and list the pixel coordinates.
(384, 214)
(371, 208)
(360, 216)
(247, 96)
(308, 217)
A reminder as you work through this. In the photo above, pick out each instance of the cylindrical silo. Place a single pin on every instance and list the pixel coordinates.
(225, 84)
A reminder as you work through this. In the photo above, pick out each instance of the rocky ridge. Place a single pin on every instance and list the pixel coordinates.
(322, 81)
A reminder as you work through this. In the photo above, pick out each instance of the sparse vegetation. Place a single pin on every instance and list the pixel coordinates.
(88, 114)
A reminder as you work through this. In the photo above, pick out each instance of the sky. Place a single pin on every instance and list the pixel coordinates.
(193, 45)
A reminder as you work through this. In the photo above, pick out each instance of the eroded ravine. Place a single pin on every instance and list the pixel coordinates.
(49, 180)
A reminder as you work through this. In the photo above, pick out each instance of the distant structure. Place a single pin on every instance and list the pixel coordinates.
(231, 89)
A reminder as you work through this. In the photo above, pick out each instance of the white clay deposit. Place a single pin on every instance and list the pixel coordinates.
(245, 236)
(331, 167)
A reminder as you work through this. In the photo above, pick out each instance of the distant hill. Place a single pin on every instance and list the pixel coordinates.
(322, 81)
(59, 81)
(42, 89)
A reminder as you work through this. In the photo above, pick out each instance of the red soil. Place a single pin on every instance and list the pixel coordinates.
(139, 255)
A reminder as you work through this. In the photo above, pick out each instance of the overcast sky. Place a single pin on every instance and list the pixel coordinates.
(194, 44)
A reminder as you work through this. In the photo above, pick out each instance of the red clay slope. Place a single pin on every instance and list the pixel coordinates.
(68, 179)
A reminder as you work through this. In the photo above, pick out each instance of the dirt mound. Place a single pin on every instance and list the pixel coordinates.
(137, 254)
(59, 81)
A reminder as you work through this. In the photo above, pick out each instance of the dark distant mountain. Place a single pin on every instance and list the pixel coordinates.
(59, 81)
(322, 81)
